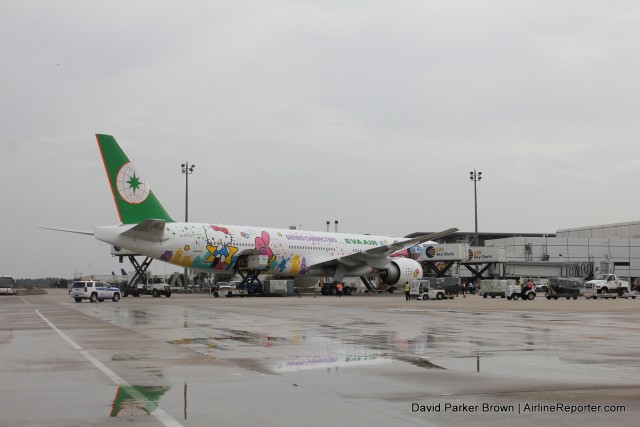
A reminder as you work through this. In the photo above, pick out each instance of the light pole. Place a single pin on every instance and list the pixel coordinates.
(475, 177)
(186, 170)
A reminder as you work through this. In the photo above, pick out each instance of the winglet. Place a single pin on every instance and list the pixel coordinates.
(132, 195)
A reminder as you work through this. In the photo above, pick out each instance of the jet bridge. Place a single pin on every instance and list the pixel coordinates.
(440, 258)
(481, 258)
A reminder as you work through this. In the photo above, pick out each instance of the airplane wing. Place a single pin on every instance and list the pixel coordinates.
(378, 257)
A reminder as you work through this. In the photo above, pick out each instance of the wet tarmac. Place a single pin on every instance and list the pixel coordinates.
(193, 360)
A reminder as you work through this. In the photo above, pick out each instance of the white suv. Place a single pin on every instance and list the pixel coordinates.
(94, 291)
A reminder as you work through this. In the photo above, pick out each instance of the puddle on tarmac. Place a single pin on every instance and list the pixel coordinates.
(281, 354)
(531, 358)
(544, 365)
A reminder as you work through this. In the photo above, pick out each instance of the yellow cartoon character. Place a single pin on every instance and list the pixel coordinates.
(296, 264)
(219, 246)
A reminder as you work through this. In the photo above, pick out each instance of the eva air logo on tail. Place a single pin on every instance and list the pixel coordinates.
(134, 199)
(130, 186)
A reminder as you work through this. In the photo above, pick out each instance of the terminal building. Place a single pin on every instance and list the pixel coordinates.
(573, 252)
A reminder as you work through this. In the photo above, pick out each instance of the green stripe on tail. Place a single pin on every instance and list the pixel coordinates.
(133, 196)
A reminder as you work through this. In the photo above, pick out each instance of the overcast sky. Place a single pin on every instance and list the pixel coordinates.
(298, 112)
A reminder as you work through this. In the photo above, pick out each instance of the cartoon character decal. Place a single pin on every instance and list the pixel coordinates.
(222, 253)
(403, 253)
(283, 264)
(303, 267)
(296, 264)
(262, 245)
(416, 252)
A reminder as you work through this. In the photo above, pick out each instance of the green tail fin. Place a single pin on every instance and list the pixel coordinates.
(134, 199)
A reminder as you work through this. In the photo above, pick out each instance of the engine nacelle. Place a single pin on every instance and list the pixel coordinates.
(400, 270)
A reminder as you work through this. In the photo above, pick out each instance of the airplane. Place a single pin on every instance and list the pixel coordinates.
(147, 229)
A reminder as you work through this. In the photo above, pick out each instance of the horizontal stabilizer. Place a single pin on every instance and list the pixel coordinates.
(88, 233)
(150, 230)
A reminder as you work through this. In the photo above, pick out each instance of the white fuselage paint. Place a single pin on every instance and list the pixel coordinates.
(217, 247)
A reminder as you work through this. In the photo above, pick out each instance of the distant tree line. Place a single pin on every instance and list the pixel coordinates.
(47, 282)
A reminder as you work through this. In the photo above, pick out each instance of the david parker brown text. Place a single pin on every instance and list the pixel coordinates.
(521, 408)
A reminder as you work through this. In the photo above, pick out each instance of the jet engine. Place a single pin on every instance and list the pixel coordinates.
(400, 270)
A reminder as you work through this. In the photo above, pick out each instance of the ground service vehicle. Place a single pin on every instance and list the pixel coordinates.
(565, 287)
(7, 285)
(526, 291)
(435, 288)
(94, 291)
(589, 292)
(496, 287)
(331, 288)
(228, 289)
(155, 286)
(605, 283)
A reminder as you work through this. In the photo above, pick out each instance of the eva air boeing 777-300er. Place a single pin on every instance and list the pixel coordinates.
(147, 229)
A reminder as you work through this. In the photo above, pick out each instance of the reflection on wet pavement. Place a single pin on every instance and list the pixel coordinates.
(128, 401)
(527, 345)
(357, 362)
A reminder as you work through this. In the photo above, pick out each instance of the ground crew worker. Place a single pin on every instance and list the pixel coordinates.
(407, 289)
(339, 293)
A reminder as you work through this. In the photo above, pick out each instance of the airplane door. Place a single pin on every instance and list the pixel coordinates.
(198, 244)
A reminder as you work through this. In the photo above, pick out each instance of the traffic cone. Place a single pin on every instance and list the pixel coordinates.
(464, 295)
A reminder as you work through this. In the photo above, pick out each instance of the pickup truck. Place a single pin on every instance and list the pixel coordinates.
(93, 291)
(606, 283)
(228, 289)
(155, 286)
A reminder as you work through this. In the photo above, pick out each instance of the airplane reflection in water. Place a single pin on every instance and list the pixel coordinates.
(136, 400)
(296, 353)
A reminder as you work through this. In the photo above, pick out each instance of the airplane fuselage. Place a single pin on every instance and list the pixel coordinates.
(216, 247)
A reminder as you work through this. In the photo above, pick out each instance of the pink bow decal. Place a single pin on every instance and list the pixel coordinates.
(262, 245)
(223, 229)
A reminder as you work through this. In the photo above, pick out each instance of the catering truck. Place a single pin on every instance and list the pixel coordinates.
(497, 287)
